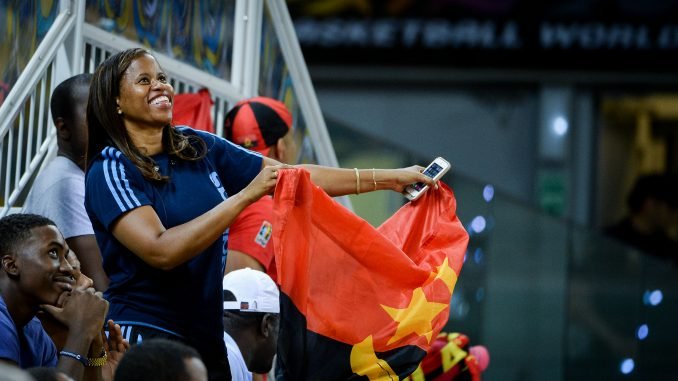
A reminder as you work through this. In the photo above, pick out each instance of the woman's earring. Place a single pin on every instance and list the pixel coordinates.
(119, 111)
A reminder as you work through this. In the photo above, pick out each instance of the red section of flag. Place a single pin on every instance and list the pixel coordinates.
(193, 110)
(352, 281)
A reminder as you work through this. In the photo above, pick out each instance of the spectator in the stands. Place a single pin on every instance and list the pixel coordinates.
(263, 125)
(111, 341)
(161, 199)
(35, 275)
(251, 321)
(652, 208)
(161, 360)
(59, 190)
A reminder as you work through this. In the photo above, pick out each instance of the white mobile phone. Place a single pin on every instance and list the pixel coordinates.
(435, 170)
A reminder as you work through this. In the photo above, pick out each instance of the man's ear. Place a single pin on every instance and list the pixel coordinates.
(266, 327)
(281, 150)
(63, 132)
(9, 265)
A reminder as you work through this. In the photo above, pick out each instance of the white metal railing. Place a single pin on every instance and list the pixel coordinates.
(26, 136)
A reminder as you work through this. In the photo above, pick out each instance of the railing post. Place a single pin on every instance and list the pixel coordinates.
(247, 46)
(308, 100)
(310, 108)
(69, 59)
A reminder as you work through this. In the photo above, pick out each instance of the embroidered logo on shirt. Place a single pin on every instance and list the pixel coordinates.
(264, 235)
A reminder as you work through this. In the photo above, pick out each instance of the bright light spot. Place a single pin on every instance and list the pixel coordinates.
(478, 255)
(560, 126)
(643, 330)
(488, 192)
(478, 224)
(656, 297)
(627, 366)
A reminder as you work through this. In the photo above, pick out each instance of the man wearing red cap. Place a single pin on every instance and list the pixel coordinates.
(262, 125)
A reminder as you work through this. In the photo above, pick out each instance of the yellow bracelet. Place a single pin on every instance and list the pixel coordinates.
(357, 181)
(98, 361)
(374, 179)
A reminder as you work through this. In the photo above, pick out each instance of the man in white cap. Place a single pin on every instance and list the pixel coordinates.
(251, 320)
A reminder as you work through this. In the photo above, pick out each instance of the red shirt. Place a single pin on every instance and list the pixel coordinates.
(252, 233)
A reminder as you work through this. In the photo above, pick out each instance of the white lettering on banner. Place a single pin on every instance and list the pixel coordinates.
(481, 34)
(510, 37)
(391, 33)
(384, 33)
(594, 36)
(668, 37)
(411, 32)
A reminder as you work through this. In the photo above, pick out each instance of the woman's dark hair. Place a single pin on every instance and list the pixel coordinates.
(106, 127)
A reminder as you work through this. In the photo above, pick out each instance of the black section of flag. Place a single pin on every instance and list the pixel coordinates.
(306, 355)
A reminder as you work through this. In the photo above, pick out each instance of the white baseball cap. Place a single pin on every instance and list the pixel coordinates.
(254, 291)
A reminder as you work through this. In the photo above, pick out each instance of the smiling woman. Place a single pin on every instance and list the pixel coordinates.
(132, 102)
(161, 199)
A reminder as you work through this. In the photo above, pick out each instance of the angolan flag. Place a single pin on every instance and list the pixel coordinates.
(359, 302)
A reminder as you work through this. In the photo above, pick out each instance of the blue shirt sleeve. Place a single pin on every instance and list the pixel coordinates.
(39, 349)
(42, 346)
(9, 340)
(113, 186)
(236, 166)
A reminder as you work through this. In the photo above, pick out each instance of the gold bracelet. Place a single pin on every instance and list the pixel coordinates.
(357, 181)
(374, 179)
(98, 361)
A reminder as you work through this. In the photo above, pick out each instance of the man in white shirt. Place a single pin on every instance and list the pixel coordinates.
(58, 192)
(251, 321)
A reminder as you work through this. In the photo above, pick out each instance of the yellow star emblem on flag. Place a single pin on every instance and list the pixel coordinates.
(416, 317)
(447, 275)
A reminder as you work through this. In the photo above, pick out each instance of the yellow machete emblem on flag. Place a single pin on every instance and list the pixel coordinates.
(364, 362)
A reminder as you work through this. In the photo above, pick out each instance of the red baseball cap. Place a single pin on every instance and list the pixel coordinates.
(257, 123)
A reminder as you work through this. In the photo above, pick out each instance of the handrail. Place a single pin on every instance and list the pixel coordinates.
(36, 67)
(181, 71)
(24, 121)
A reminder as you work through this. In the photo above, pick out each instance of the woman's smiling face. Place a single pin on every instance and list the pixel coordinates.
(145, 94)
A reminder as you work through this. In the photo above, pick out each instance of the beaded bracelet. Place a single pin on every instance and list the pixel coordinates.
(93, 362)
(83, 360)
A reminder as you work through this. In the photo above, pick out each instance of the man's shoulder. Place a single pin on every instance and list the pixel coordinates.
(4, 315)
(59, 170)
